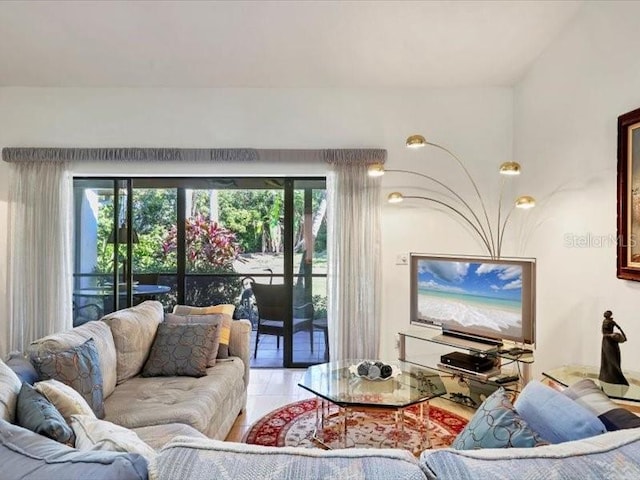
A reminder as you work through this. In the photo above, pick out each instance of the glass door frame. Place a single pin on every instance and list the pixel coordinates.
(180, 183)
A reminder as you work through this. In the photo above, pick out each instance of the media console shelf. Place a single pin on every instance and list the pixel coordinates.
(477, 386)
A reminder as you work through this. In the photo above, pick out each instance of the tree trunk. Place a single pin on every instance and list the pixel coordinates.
(214, 210)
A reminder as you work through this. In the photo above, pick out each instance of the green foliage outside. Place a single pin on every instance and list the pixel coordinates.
(249, 221)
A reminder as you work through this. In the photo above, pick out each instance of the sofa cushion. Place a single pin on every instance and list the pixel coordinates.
(78, 367)
(612, 415)
(180, 350)
(216, 459)
(28, 456)
(225, 330)
(23, 368)
(142, 401)
(94, 434)
(74, 337)
(157, 436)
(66, 400)
(133, 332)
(36, 413)
(216, 319)
(554, 416)
(612, 456)
(10, 386)
(496, 424)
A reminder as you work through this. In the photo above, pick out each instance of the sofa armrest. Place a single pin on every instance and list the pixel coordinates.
(185, 457)
(239, 344)
(591, 457)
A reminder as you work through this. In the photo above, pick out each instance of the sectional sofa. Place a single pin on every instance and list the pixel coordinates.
(209, 404)
(184, 420)
(156, 408)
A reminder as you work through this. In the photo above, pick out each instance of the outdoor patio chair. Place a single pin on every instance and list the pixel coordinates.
(86, 313)
(272, 309)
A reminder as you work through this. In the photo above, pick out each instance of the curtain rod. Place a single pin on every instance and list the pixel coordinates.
(338, 155)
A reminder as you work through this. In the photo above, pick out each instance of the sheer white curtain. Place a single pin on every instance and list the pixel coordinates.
(40, 222)
(354, 262)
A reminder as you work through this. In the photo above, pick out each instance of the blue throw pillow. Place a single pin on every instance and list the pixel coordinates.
(22, 367)
(554, 416)
(36, 413)
(78, 367)
(589, 395)
(496, 424)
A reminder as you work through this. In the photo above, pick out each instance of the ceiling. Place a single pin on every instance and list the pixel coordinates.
(275, 43)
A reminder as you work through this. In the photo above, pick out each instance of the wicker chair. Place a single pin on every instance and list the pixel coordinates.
(271, 301)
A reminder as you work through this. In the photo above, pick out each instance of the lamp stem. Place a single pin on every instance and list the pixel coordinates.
(499, 240)
(475, 186)
(462, 215)
(504, 226)
(449, 189)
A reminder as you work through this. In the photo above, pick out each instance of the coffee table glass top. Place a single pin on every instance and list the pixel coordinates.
(570, 374)
(334, 382)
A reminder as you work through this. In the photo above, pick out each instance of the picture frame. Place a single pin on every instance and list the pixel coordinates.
(628, 239)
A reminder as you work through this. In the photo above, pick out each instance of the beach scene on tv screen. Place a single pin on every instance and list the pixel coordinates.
(482, 296)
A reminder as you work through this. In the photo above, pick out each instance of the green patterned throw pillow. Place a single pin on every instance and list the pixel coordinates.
(180, 350)
(38, 414)
(78, 367)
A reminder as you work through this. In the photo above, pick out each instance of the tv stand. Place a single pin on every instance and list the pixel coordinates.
(473, 338)
(466, 342)
(472, 386)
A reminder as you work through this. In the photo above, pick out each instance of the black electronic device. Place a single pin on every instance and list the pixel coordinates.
(474, 363)
(501, 379)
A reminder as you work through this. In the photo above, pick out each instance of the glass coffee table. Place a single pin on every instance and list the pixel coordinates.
(341, 392)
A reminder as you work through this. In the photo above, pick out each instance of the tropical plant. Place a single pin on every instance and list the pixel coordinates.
(209, 246)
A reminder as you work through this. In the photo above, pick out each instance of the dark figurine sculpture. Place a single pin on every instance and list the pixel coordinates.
(610, 370)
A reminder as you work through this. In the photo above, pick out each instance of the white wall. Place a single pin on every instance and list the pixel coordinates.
(565, 124)
(476, 123)
(563, 116)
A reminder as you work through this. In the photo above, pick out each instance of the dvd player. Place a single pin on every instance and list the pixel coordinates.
(474, 363)
(482, 376)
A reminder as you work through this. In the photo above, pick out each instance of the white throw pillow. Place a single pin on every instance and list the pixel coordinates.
(9, 389)
(64, 398)
(94, 434)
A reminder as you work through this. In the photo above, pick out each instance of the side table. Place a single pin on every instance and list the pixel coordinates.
(570, 374)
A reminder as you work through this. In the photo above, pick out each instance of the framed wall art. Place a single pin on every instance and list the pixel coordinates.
(629, 196)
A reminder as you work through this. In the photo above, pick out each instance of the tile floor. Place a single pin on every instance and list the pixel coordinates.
(271, 357)
(270, 389)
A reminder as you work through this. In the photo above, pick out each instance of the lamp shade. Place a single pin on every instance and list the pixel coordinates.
(525, 201)
(510, 168)
(122, 235)
(395, 197)
(375, 170)
(416, 141)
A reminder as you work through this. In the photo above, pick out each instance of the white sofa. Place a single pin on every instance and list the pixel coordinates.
(208, 404)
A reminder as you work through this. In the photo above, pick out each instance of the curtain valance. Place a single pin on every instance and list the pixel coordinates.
(333, 156)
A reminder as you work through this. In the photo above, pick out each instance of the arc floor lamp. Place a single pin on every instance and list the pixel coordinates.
(477, 218)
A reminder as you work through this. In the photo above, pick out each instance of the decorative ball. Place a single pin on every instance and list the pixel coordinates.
(374, 372)
(386, 371)
(363, 369)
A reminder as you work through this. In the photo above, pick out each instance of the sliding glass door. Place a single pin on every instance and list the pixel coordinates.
(205, 241)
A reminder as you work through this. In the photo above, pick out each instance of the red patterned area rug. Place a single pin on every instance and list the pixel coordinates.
(293, 425)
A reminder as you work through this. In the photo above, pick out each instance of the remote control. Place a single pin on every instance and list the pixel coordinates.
(500, 379)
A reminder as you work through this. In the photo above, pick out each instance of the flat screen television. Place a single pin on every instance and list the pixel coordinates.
(475, 296)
